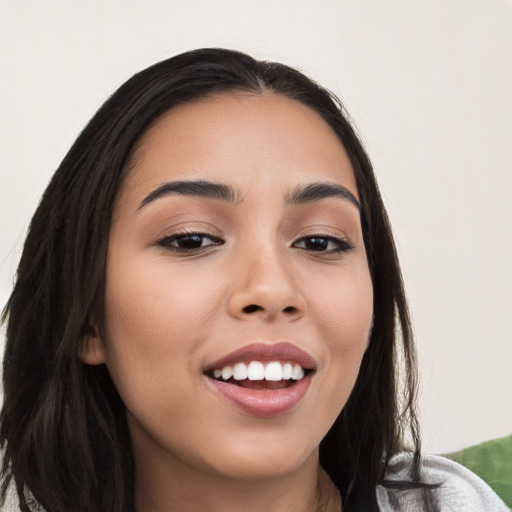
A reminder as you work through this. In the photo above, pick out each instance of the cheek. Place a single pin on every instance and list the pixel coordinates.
(154, 323)
(345, 318)
(157, 306)
(346, 310)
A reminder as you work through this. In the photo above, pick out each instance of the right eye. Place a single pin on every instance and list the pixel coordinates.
(188, 242)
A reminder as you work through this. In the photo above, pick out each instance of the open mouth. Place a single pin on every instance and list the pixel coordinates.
(262, 376)
(264, 380)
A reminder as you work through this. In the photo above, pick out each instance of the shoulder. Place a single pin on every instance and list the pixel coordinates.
(12, 504)
(457, 488)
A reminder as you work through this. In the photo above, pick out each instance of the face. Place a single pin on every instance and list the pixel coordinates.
(235, 247)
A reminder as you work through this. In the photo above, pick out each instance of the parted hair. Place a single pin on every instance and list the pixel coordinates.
(63, 430)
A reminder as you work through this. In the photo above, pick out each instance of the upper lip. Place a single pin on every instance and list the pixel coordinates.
(282, 351)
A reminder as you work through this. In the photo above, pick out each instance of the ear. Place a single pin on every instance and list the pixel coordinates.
(92, 350)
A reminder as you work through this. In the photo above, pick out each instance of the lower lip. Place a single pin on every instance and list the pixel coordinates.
(262, 403)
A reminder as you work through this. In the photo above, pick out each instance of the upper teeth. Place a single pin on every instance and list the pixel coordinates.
(256, 370)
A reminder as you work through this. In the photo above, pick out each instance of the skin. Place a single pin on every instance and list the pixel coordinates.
(170, 313)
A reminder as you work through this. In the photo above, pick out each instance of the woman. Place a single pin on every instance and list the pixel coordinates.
(206, 311)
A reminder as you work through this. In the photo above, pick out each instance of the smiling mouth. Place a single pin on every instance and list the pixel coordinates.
(263, 380)
(260, 376)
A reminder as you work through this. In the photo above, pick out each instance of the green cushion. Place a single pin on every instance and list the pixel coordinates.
(492, 462)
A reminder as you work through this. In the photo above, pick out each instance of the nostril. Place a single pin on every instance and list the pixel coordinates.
(289, 309)
(252, 308)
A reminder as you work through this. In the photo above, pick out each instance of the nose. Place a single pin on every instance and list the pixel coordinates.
(265, 287)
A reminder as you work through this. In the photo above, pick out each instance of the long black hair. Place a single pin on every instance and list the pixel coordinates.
(63, 428)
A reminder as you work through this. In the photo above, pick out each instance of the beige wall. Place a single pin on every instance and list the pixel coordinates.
(428, 84)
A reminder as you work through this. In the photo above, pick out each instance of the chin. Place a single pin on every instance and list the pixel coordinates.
(264, 458)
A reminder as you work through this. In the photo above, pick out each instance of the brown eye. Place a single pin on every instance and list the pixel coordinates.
(323, 244)
(188, 242)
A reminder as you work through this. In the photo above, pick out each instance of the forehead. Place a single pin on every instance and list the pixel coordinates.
(243, 139)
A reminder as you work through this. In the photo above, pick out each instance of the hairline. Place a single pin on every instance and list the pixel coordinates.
(137, 151)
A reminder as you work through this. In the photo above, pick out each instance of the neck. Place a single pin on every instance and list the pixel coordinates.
(166, 488)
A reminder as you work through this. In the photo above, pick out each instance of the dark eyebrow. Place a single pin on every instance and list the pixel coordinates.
(201, 188)
(316, 191)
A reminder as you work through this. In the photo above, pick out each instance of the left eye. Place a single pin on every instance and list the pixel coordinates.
(188, 241)
(323, 244)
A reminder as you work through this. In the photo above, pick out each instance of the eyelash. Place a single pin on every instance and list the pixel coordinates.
(341, 245)
(167, 241)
